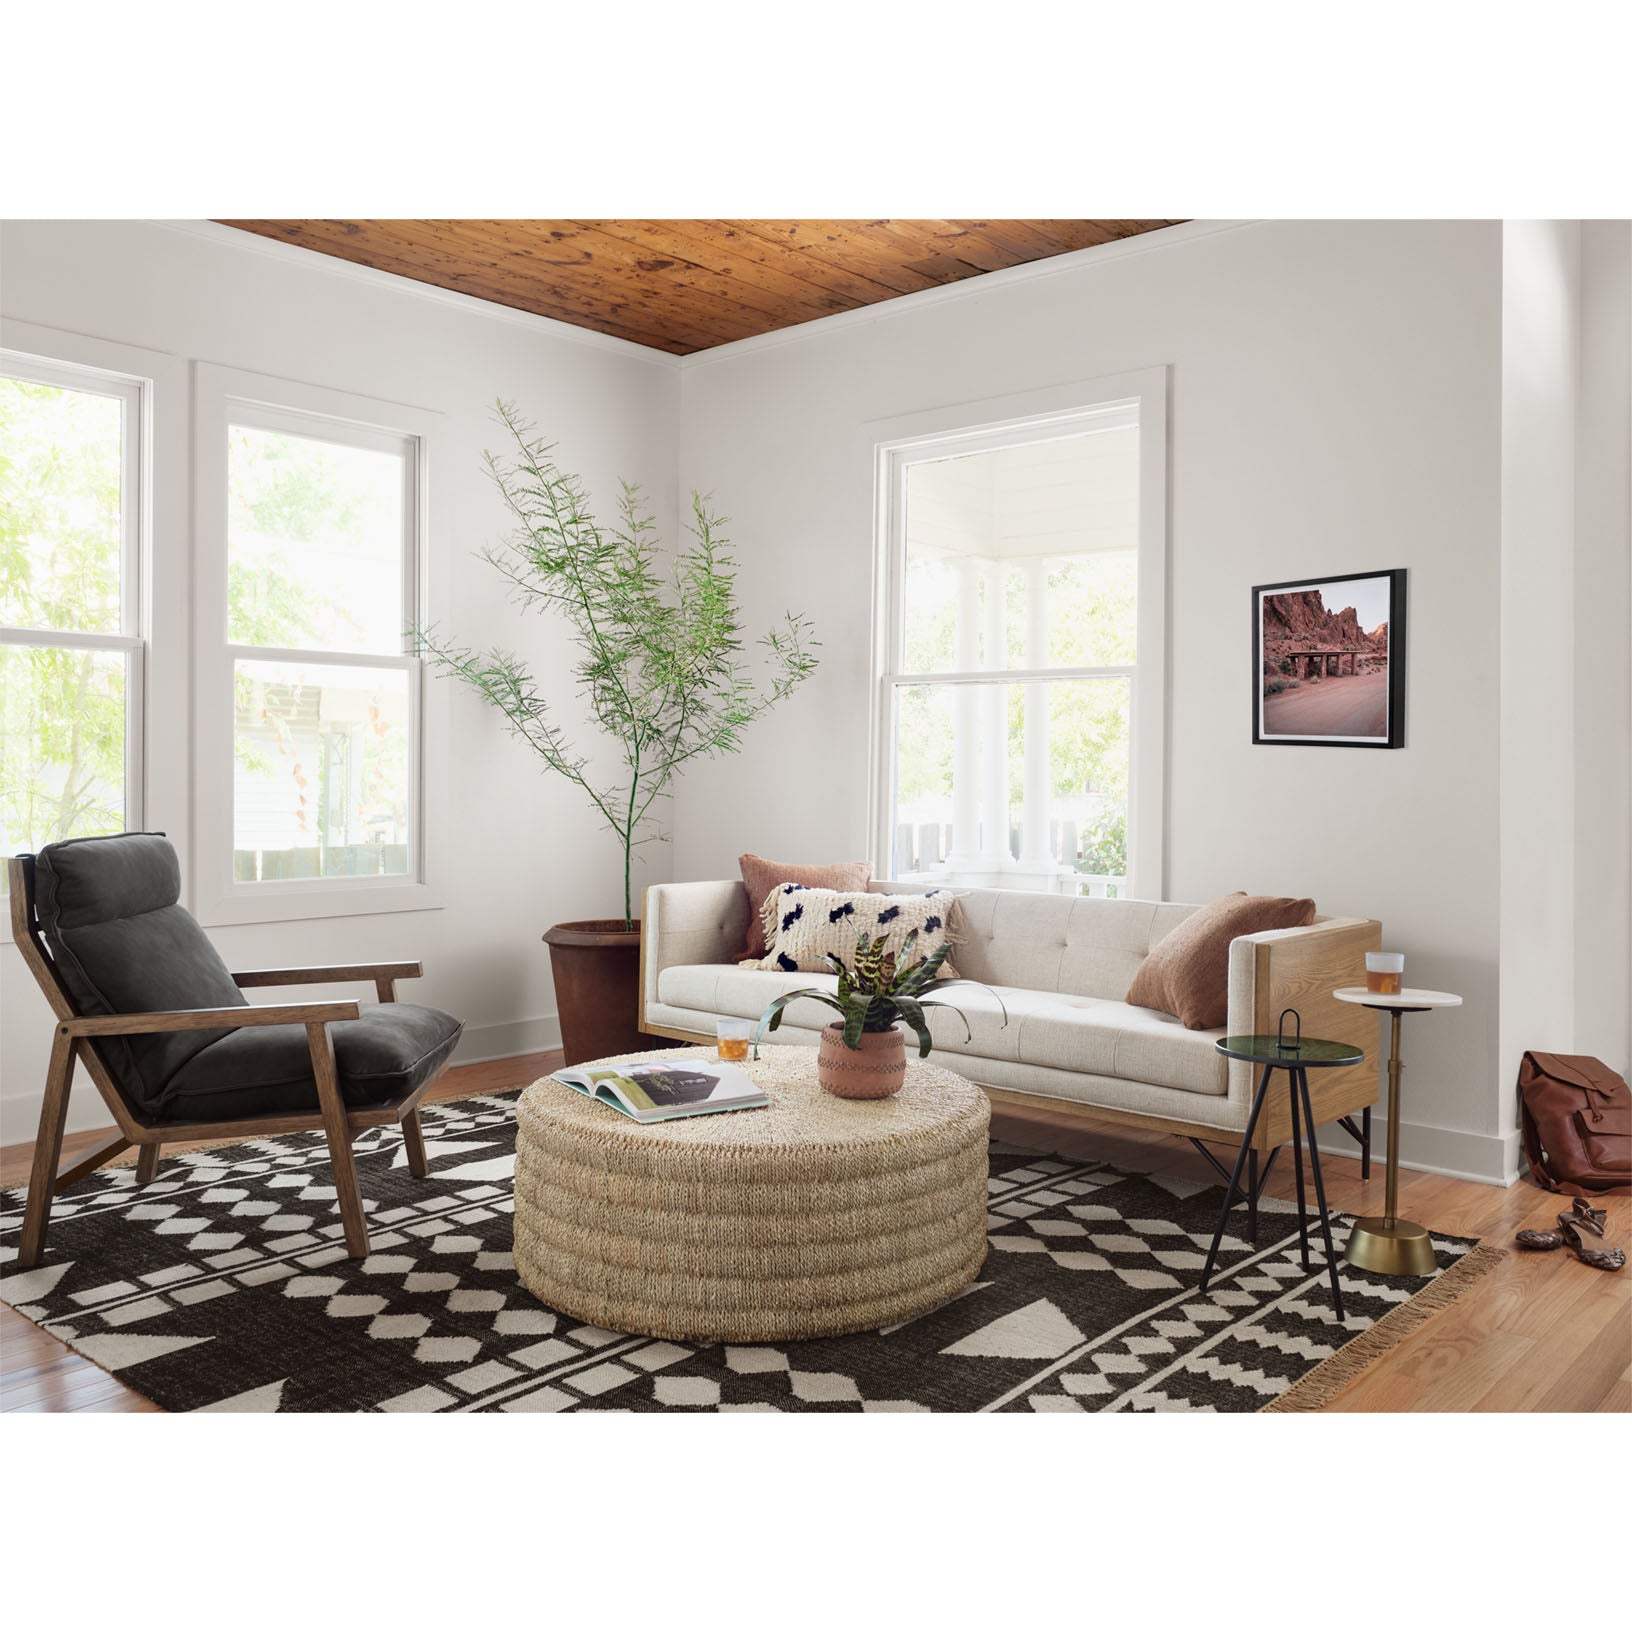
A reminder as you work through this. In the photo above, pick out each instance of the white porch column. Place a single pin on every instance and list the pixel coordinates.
(1035, 851)
(994, 803)
(965, 850)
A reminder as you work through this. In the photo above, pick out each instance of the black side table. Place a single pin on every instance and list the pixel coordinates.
(1297, 1059)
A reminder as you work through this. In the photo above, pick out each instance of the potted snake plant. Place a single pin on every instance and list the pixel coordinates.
(863, 1054)
(659, 666)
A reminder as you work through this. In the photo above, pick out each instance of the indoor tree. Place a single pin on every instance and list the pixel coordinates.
(659, 648)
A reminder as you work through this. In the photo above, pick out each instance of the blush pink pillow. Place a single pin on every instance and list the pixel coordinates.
(760, 877)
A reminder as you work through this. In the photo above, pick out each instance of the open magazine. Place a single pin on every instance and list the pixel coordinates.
(657, 1091)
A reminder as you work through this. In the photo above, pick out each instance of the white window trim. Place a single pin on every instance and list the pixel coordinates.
(223, 395)
(134, 392)
(1035, 416)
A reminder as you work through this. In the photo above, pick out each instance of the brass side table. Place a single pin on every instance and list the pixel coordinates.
(1392, 1245)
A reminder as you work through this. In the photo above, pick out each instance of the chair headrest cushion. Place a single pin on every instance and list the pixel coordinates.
(92, 881)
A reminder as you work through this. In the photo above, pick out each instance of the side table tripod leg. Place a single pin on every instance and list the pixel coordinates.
(1235, 1176)
(1297, 1162)
(1320, 1190)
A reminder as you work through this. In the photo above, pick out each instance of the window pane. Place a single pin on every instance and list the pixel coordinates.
(314, 543)
(60, 527)
(1023, 557)
(62, 744)
(320, 784)
(1021, 786)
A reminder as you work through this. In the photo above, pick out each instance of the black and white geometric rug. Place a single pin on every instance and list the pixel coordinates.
(223, 1286)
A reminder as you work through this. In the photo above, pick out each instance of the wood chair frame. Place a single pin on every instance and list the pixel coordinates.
(74, 1041)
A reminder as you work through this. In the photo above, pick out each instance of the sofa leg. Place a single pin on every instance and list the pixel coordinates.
(42, 1174)
(338, 1133)
(147, 1164)
(413, 1139)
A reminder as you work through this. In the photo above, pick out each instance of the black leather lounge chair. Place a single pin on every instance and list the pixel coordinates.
(144, 1002)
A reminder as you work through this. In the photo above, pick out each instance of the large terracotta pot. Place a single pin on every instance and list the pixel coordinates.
(874, 1071)
(596, 965)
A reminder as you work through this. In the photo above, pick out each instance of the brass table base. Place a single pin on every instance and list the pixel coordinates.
(1391, 1246)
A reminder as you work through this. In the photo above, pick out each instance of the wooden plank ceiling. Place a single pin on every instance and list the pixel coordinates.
(683, 286)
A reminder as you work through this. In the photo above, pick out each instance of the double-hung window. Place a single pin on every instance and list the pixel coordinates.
(71, 646)
(311, 572)
(1020, 671)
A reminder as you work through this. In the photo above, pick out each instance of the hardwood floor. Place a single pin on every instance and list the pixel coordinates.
(1542, 1332)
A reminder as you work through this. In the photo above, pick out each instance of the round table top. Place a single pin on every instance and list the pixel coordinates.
(1267, 1049)
(801, 1112)
(1408, 997)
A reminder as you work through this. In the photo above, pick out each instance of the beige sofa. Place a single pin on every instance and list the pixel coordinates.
(1062, 966)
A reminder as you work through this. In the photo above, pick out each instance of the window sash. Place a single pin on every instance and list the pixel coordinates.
(133, 395)
(224, 397)
(1136, 399)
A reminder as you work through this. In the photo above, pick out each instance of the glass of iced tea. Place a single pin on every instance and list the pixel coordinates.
(1385, 972)
(731, 1038)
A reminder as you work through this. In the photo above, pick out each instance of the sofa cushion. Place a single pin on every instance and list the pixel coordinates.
(109, 910)
(760, 877)
(806, 926)
(1086, 1034)
(1187, 972)
(723, 988)
(264, 1070)
(1053, 1029)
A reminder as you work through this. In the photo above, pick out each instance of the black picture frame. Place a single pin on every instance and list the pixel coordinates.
(1345, 711)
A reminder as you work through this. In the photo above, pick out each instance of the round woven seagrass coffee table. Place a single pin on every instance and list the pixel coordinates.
(811, 1217)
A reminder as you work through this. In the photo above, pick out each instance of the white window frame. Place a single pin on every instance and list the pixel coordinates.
(224, 397)
(1041, 416)
(134, 394)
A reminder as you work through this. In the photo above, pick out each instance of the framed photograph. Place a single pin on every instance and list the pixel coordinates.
(1329, 661)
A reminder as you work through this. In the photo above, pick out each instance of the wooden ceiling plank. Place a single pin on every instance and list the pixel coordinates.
(581, 283)
(771, 250)
(571, 263)
(731, 297)
(838, 243)
(690, 240)
(386, 252)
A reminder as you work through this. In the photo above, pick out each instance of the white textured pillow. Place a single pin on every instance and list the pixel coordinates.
(803, 924)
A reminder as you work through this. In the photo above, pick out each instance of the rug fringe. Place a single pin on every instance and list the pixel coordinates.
(1317, 1388)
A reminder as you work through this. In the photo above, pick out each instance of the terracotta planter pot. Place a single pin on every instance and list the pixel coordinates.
(596, 965)
(874, 1071)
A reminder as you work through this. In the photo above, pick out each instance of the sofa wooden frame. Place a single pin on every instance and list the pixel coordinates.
(74, 1040)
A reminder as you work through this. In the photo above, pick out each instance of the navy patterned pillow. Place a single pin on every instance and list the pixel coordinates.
(803, 924)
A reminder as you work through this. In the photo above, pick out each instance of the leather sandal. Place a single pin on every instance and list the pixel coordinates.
(1594, 1257)
(1588, 1217)
(1540, 1240)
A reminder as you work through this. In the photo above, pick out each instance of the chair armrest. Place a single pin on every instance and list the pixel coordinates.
(283, 1014)
(690, 923)
(329, 972)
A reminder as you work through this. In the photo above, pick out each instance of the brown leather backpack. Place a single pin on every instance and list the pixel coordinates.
(1577, 1120)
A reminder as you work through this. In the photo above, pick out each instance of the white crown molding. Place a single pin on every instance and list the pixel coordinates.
(314, 260)
(1145, 243)
(1053, 266)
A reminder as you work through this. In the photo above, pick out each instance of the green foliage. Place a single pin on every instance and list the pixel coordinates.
(879, 988)
(659, 662)
(1105, 844)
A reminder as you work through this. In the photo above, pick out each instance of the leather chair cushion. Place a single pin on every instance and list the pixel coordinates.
(109, 910)
(267, 1070)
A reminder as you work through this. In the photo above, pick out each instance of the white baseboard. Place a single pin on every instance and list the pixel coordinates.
(1486, 1158)
(508, 1038)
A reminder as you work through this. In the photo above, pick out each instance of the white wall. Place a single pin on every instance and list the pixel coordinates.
(1603, 649)
(1541, 332)
(1336, 392)
(524, 851)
